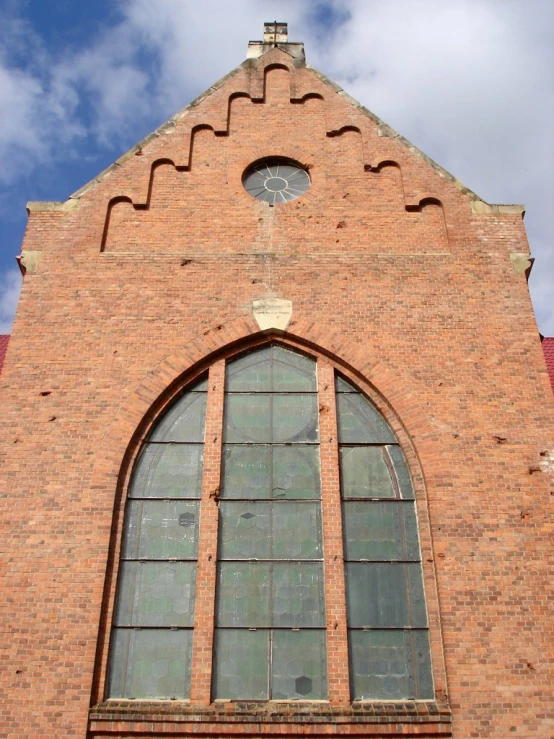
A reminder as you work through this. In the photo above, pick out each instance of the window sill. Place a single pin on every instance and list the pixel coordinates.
(181, 718)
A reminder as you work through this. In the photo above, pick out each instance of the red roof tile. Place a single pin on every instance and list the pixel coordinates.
(3, 348)
(548, 349)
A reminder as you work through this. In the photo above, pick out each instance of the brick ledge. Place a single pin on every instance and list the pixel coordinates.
(184, 730)
(410, 718)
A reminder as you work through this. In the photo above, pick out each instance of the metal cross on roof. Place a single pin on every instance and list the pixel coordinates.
(275, 33)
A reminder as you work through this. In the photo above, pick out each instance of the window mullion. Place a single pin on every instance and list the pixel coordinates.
(200, 689)
(335, 592)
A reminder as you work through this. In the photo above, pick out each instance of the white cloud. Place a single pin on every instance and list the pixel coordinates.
(10, 287)
(194, 44)
(37, 114)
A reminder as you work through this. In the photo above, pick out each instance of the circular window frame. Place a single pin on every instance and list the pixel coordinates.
(276, 196)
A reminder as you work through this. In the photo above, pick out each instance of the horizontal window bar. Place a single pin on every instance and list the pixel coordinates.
(384, 561)
(272, 443)
(157, 628)
(161, 559)
(271, 392)
(262, 701)
(369, 443)
(274, 628)
(253, 559)
(388, 628)
(224, 499)
(175, 443)
(380, 500)
(163, 499)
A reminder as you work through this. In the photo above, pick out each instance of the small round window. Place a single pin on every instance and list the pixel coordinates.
(276, 181)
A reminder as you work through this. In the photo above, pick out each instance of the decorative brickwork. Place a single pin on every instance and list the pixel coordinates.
(390, 271)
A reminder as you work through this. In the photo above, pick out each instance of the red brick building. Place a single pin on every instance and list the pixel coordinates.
(278, 446)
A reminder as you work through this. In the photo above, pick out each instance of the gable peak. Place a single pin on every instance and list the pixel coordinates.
(276, 34)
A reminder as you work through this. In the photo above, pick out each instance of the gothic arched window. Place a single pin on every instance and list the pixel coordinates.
(307, 527)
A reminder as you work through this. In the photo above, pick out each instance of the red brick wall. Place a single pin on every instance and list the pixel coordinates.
(4, 340)
(419, 304)
(548, 349)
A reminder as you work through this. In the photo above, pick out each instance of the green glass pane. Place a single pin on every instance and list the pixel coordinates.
(247, 418)
(241, 664)
(295, 418)
(243, 594)
(184, 421)
(382, 665)
(271, 369)
(150, 663)
(296, 472)
(251, 373)
(296, 530)
(364, 473)
(402, 471)
(292, 372)
(299, 665)
(245, 530)
(360, 423)
(156, 594)
(341, 386)
(298, 595)
(168, 471)
(161, 529)
(259, 471)
(246, 472)
(385, 595)
(382, 531)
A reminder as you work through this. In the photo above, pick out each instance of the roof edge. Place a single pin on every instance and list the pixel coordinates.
(167, 128)
(478, 205)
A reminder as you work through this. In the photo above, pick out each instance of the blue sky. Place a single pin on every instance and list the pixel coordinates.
(471, 82)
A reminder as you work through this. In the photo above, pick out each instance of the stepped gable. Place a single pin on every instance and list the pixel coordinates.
(206, 146)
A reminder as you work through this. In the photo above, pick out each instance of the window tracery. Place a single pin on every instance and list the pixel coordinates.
(270, 630)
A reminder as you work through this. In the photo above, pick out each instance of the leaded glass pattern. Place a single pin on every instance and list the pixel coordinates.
(385, 602)
(151, 646)
(266, 594)
(390, 664)
(150, 663)
(276, 181)
(270, 607)
(258, 471)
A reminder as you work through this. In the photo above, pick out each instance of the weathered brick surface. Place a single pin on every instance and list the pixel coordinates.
(393, 278)
(548, 349)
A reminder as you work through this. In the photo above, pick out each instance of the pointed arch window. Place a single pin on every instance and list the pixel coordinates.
(272, 639)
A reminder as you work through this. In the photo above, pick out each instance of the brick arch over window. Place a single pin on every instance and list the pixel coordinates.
(166, 382)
